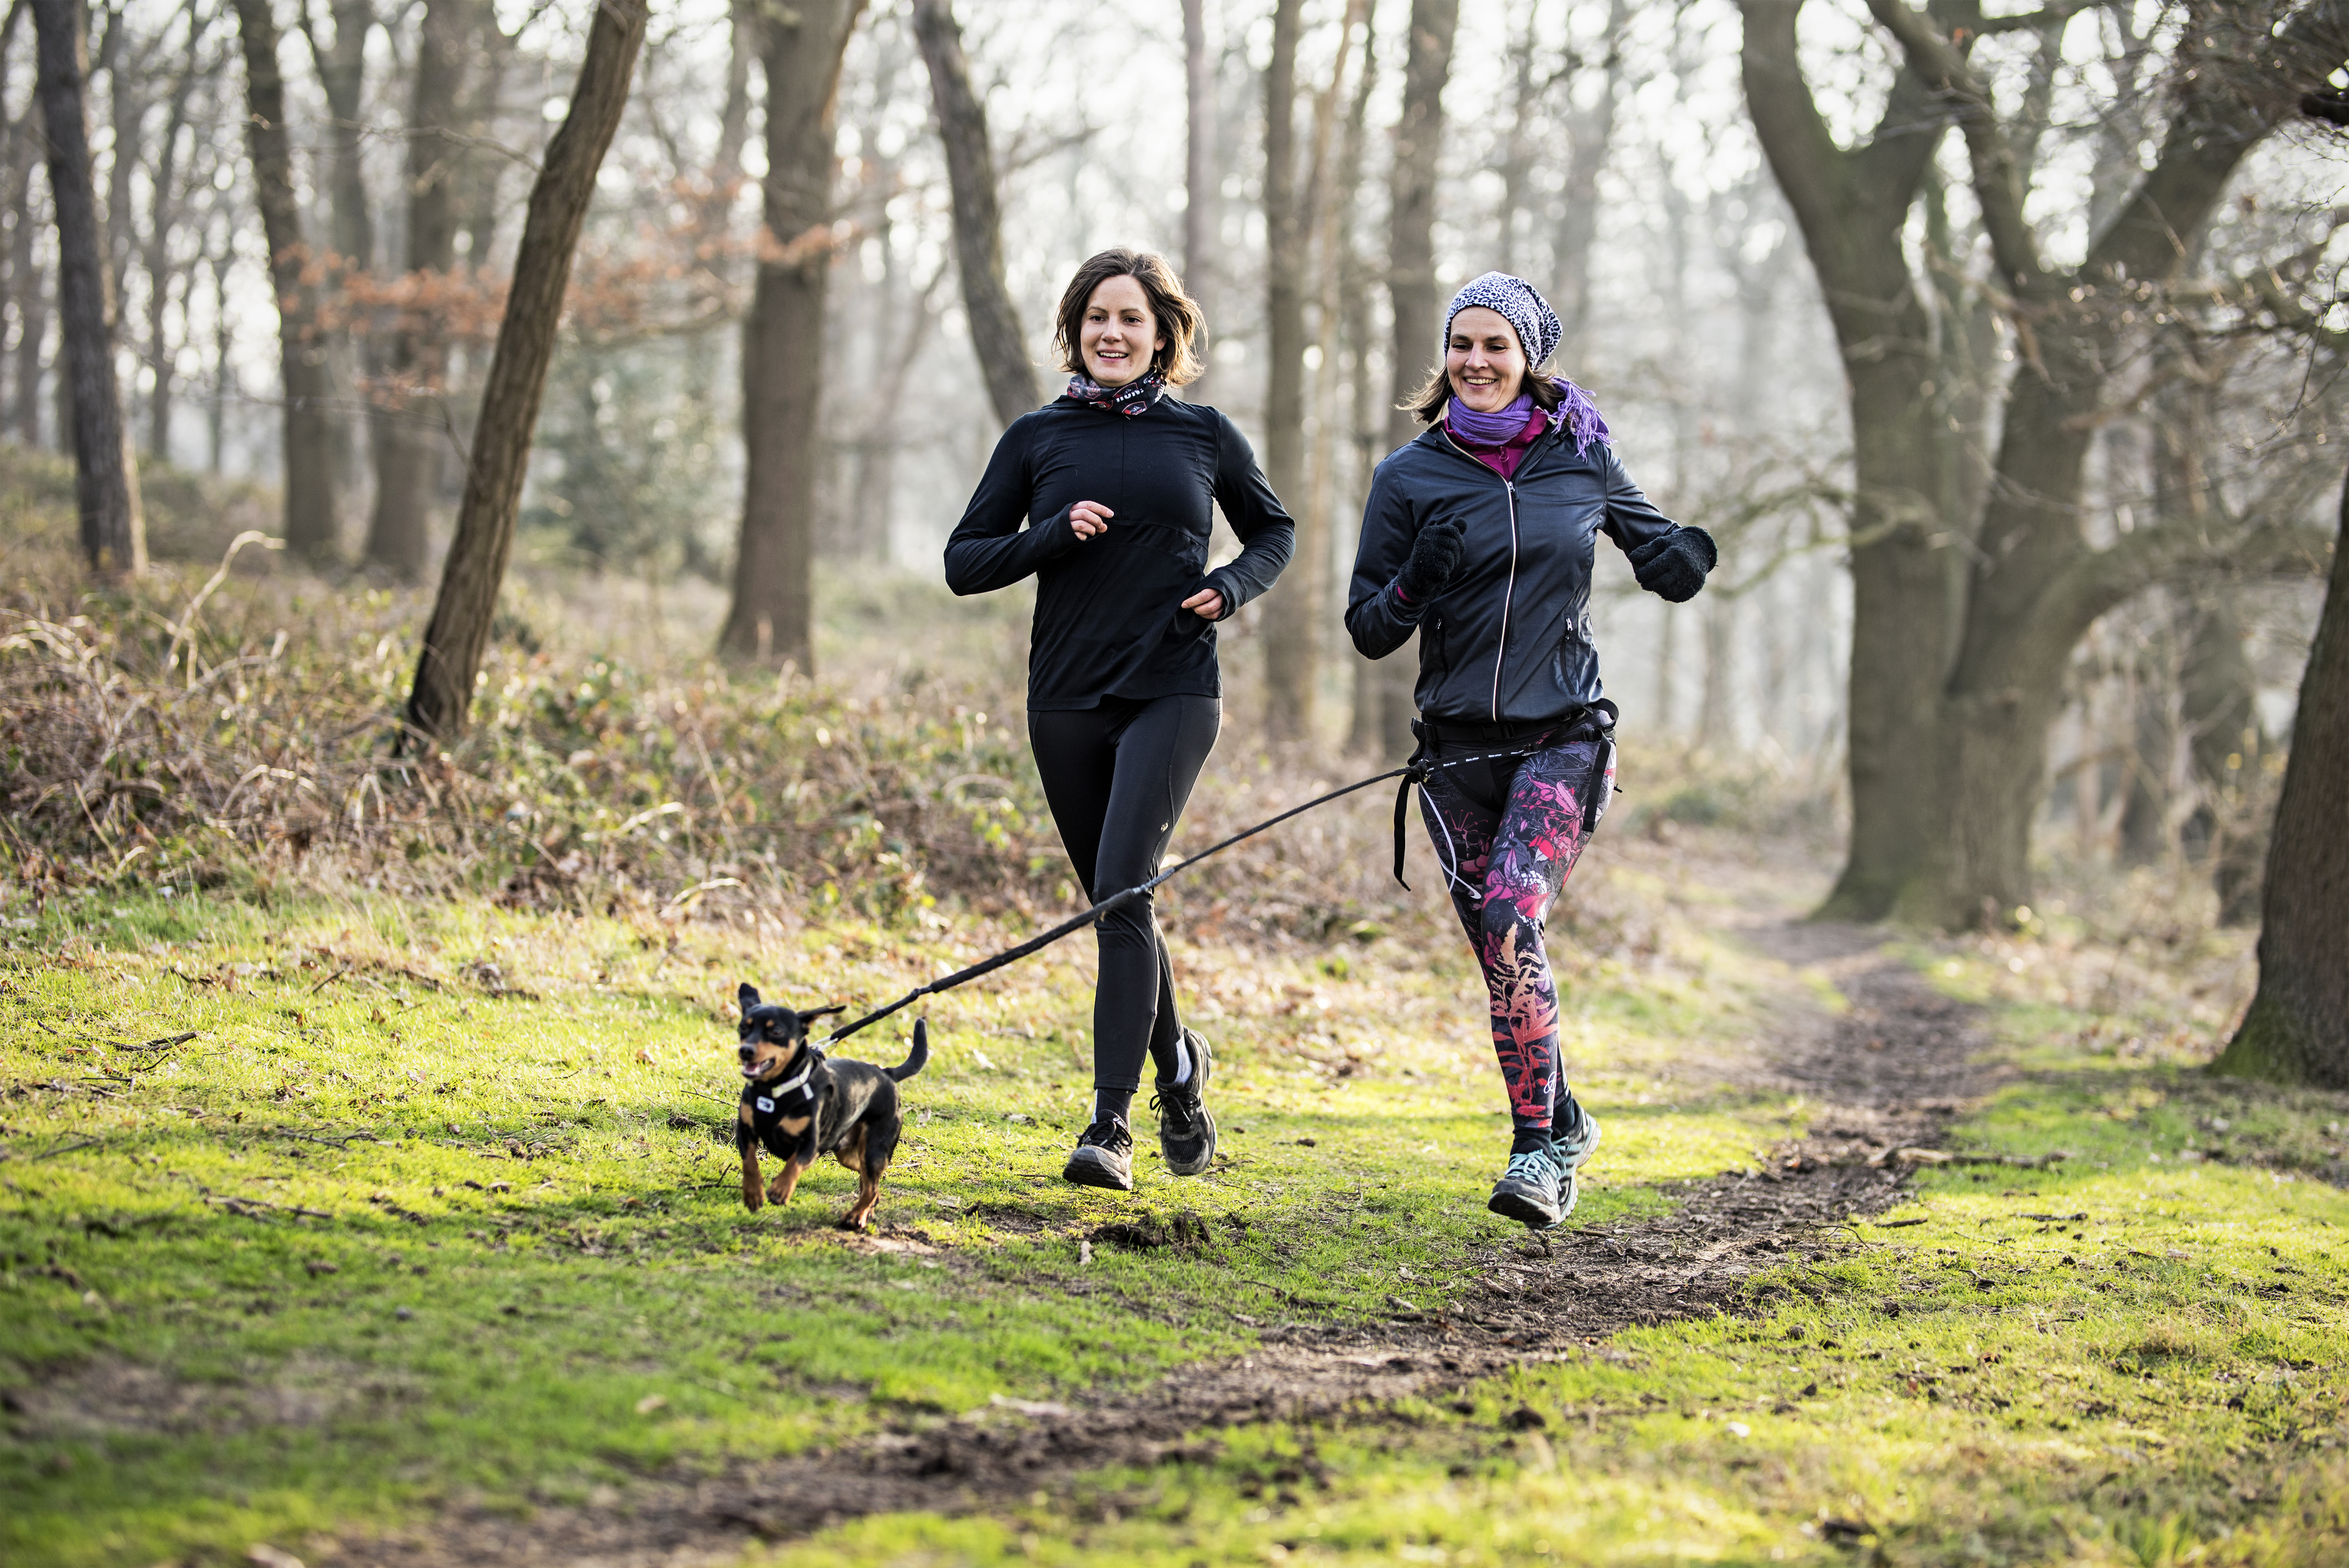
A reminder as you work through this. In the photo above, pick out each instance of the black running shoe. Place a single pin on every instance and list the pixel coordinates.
(1103, 1157)
(1187, 1128)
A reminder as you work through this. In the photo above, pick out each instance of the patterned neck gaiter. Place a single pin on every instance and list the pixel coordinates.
(1134, 397)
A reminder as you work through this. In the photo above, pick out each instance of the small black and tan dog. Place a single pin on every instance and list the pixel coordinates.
(802, 1105)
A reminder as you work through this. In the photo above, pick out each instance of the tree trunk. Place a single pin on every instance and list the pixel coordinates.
(1411, 273)
(995, 333)
(342, 75)
(309, 432)
(16, 162)
(1347, 318)
(156, 256)
(25, 285)
(105, 484)
(772, 618)
(1202, 187)
(127, 85)
(2220, 693)
(1852, 208)
(2144, 835)
(409, 433)
(480, 180)
(1577, 227)
(1714, 713)
(224, 368)
(2297, 1030)
(449, 664)
(2035, 584)
(1290, 619)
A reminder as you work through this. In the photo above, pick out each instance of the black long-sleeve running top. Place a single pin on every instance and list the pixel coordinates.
(1110, 620)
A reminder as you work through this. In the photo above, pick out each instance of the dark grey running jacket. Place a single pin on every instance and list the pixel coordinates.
(1508, 641)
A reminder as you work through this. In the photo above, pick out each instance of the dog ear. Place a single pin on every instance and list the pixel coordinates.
(748, 996)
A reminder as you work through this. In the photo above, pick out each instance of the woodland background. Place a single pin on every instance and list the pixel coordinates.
(1324, 174)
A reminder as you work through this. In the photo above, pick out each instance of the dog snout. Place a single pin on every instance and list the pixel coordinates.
(749, 1052)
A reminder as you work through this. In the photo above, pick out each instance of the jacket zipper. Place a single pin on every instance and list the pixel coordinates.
(1508, 592)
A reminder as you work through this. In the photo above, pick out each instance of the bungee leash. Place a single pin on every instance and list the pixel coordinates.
(1415, 771)
(1113, 902)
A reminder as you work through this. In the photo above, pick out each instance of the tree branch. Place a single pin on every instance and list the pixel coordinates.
(2102, 579)
(1793, 134)
(1997, 182)
(2211, 132)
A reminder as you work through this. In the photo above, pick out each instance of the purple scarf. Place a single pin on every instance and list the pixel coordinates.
(1134, 397)
(1576, 413)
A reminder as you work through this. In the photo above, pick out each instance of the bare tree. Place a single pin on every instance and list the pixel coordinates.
(408, 434)
(440, 702)
(1411, 270)
(1327, 256)
(1291, 632)
(166, 207)
(2297, 1028)
(22, 156)
(1590, 137)
(2035, 584)
(1351, 280)
(309, 431)
(1851, 205)
(995, 334)
(772, 615)
(106, 485)
(1202, 190)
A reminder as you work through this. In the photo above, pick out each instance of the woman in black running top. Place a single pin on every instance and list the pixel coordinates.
(1103, 495)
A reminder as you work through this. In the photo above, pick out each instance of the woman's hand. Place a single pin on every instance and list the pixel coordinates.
(1436, 556)
(1088, 518)
(1206, 603)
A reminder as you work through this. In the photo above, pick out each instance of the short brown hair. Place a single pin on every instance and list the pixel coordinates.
(1178, 314)
(1427, 404)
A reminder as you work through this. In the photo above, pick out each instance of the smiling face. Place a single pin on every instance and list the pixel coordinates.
(1119, 336)
(1484, 361)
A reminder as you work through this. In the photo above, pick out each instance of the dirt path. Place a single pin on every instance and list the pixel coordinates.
(1882, 1078)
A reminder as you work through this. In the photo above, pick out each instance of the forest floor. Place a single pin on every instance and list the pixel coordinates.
(360, 1231)
(373, 1204)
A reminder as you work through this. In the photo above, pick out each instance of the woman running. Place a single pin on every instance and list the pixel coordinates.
(1113, 481)
(1479, 534)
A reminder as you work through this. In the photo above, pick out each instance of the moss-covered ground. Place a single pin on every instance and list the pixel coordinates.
(321, 1217)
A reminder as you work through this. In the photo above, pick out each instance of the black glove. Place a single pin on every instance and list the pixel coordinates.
(1436, 558)
(1674, 567)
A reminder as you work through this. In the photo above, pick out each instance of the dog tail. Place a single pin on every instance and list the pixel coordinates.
(920, 1057)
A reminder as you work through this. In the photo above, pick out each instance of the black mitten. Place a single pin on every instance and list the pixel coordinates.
(1674, 567)
(1436, 558)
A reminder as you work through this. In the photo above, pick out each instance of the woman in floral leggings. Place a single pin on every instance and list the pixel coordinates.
(1479, 536)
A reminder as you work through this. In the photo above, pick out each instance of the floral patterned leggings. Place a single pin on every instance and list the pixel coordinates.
(1507, 832)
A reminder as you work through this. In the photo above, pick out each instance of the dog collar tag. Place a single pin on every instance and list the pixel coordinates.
(765, 1104)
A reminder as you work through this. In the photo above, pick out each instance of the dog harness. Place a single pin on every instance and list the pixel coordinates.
(770, 1105)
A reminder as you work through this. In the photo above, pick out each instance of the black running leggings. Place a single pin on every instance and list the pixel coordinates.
(1117, 776)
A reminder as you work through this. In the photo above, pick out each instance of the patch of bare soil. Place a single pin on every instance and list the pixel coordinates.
(111, 1396)
(1882, 1078)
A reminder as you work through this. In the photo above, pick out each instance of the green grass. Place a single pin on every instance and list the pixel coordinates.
(523, 1274)
(376, 1237)
(2120, 1358)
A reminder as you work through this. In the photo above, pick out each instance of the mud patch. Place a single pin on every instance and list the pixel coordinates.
(110, 1395)
(1533, 1299)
